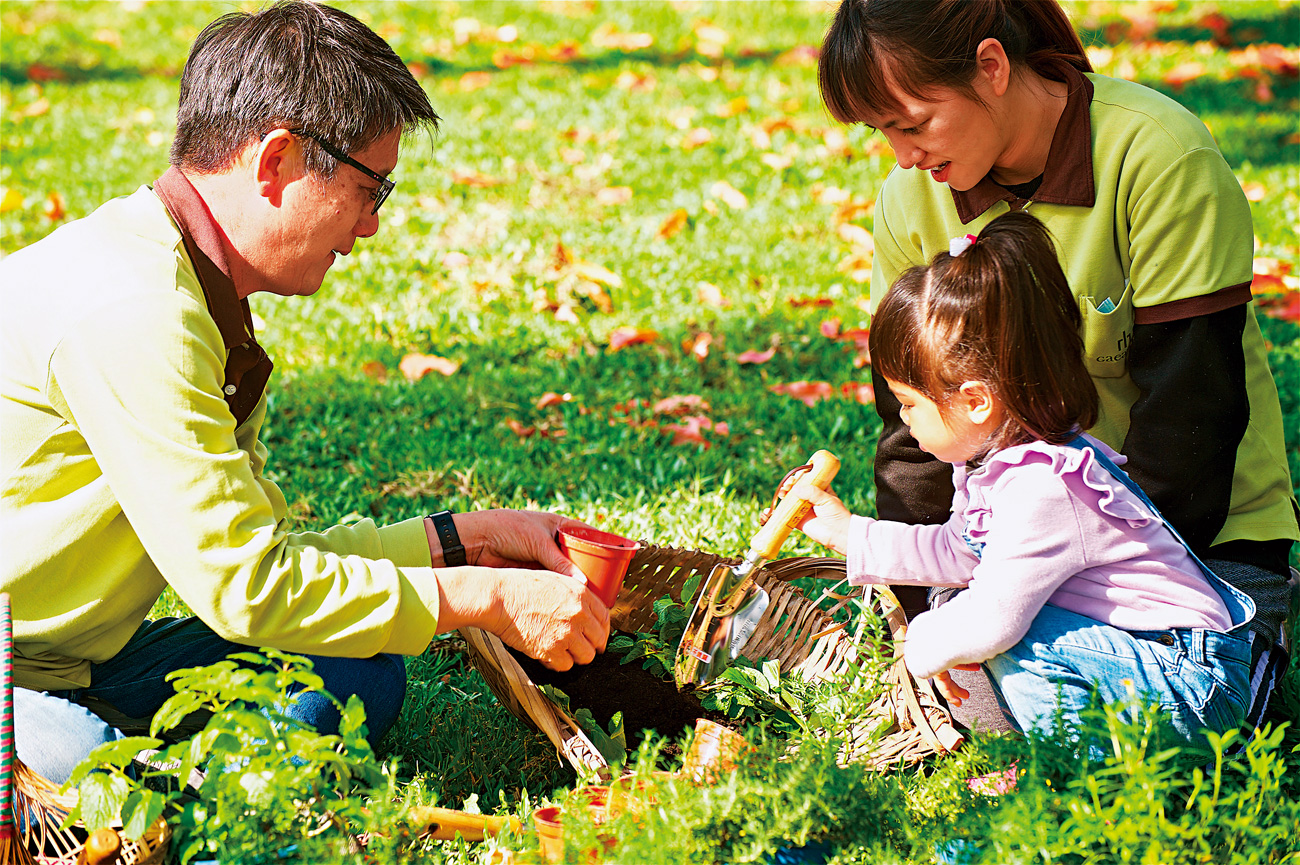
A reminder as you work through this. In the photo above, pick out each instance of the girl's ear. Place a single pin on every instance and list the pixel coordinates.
(976, 400)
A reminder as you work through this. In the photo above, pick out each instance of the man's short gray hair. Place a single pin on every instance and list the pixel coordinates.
(295, 64)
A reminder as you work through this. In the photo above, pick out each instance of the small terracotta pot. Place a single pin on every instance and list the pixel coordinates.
(713, 752)
(550, 835)
(596, 798)
(632, 794)
(602, 557)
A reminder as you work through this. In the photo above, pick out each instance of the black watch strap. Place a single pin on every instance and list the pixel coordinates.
(453, 551)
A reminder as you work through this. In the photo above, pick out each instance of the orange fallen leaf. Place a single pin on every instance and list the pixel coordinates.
(1264, 264)
(629, 80)
(800, 55)
(566, 313)
(1285, 307)
(376, 370)
(54, 207)
(729, 195)
(697, 137)
(551, 398)
(680, 404)
(416, 366)
(611, 195)
(1267, 283)
(756, 356)
(1254, 191)
(831, 328)
(833, 195)
(11, 200)
(596, 273)
(808, 392)
(675, 222)
(777, 161)
(810, 301)
(627, 335)
(710, 295)
(607, 35)
(472, 81)
(732, 108)
(1183, 73)
(698, 346)
(856, 235)
(692, 429)
(519, 429)
(475, 179)
(508, 59)
(863, 393)
(36, 108)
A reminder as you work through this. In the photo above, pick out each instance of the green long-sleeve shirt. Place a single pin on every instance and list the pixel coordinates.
(123, 468)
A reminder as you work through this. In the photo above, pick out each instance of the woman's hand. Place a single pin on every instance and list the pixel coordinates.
(548, 616)
(827, 522)
(514, 539)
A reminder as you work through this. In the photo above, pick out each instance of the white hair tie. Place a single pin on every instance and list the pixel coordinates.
(958, 245)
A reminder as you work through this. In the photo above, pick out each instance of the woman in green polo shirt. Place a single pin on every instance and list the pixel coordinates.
(993, 106)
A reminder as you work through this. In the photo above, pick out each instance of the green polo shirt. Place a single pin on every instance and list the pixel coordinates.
(1152, 226)
(131, 404)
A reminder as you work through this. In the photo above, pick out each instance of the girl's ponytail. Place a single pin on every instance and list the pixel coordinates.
(1000, 312)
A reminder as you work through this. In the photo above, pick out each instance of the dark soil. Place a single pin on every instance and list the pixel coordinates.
(606, 686)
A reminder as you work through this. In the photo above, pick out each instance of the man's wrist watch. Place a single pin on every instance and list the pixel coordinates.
(453, 551)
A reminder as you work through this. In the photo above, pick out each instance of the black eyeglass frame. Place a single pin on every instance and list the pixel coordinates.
(380, 195)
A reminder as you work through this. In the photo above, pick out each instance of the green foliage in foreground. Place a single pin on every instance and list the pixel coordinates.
(87, 105)
(1110, 791)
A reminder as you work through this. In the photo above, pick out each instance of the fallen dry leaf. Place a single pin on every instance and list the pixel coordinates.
(856, 235)
(710, 295)
(862, 393)
(696, 137)
(627, 335)
(698, 346)
(596, 273)
(471, 81)
(810, 301)
(830, 328)
(11, 200)
(1267, 283)
(1183, 73)
(36, 108)
(732, 108)
(680, 404)
(832, 195)
(1286, 306)
(756, 356)
(777, 161)
(1254, 191)
(807, 392)
(416, 366)
(475, 179)
(675, 222)
(691, 430)
(629, 80)
(729, 195)
(611, 195)
(376, 370)
(54, 207)
(607, 35)
(551, 398)
(519, 429)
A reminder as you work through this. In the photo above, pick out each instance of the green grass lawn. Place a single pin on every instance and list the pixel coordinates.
(687, 182)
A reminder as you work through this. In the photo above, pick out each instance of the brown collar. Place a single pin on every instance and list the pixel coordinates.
(1067, 178)
(202, 239)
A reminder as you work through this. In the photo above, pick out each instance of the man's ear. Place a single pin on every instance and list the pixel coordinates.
(977, 401)
(277, 162)
(994, 67)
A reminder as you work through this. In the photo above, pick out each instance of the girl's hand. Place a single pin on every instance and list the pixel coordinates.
(952, 692)
(827, 522)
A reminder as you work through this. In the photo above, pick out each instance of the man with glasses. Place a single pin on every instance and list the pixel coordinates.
(132, 397)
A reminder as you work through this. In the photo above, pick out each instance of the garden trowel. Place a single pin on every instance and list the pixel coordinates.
(730, 602)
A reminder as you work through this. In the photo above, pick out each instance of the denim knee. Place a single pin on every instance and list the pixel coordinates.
(379, 681)
(53, 735)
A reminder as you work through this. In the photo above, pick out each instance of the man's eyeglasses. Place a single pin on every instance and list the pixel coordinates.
(385, 185)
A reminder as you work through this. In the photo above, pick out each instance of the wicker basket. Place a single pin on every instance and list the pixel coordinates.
(794, 631)
(32, 808)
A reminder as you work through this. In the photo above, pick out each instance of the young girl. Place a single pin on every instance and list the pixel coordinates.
(1074, 583)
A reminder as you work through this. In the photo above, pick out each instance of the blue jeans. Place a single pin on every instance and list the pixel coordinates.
(1199, 678)
(54, 732)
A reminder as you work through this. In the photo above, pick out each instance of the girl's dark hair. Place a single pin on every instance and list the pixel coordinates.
(293, 64)
(922, 45)
(1001, 313)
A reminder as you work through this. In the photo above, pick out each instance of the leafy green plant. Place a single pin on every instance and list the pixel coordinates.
(657, 648)
(269, 780)
(612, 744)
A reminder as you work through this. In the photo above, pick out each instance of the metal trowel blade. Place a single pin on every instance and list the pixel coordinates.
(725, 615)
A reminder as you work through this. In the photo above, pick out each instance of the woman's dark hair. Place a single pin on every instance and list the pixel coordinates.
(921, 45)
(295, 64)
(1001, 313)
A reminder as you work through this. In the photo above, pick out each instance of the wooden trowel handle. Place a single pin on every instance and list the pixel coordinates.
(443, 824)
(767, 543)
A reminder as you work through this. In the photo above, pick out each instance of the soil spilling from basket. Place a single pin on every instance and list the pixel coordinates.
(606, 686)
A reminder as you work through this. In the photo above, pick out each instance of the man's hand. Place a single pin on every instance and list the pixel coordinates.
(827, 522)
(514, 539)
(952, 692)
(548, 616)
